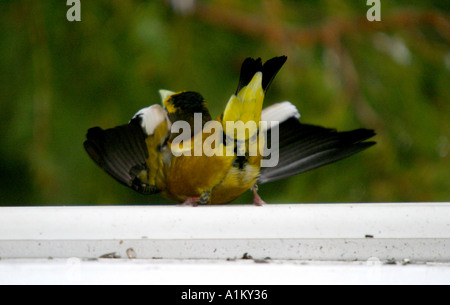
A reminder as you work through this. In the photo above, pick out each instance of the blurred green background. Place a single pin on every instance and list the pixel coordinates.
(59, 78)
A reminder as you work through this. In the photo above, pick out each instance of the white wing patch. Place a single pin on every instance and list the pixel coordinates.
(151, 118)
(279, 112)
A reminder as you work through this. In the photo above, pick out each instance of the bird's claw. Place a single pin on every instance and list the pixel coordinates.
(190, 202)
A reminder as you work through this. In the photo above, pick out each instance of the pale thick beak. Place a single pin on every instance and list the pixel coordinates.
(165, 94)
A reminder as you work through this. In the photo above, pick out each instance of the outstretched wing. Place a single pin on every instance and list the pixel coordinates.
(304, 147)
(131, 153)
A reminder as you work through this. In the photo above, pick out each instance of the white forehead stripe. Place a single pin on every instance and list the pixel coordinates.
(151, 118)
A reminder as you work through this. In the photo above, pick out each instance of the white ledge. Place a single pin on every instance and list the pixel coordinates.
(417, 231)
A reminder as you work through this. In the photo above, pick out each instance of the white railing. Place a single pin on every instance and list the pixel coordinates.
(324, 232)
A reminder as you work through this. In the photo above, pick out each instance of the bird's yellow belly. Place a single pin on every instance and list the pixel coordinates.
(189, 176)
(235, 183)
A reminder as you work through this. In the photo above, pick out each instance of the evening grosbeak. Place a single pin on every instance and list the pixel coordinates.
(151, 155)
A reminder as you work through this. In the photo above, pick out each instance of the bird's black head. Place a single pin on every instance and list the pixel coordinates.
(187, 102)
(183, 105)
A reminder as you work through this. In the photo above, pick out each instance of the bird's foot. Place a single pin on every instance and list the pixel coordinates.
(190, 202)
(256, 198)
(258, 201)
(194, 201)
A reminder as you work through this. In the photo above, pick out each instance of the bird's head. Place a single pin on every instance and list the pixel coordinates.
(183, 105)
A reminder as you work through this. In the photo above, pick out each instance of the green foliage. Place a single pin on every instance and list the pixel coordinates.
(59, 78)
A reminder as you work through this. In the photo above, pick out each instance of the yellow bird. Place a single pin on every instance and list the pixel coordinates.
(178, 149)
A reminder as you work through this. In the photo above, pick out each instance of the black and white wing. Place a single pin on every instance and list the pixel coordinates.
(131, 153)
(303, 147)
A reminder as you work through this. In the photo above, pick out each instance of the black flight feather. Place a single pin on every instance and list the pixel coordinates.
(122, 152)
(304, 147)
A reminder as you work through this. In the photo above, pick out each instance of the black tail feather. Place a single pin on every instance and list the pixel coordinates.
(270, 69)
(304, 147)
(121, 152)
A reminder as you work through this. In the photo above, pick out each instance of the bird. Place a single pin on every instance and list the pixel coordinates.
(178, 150)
